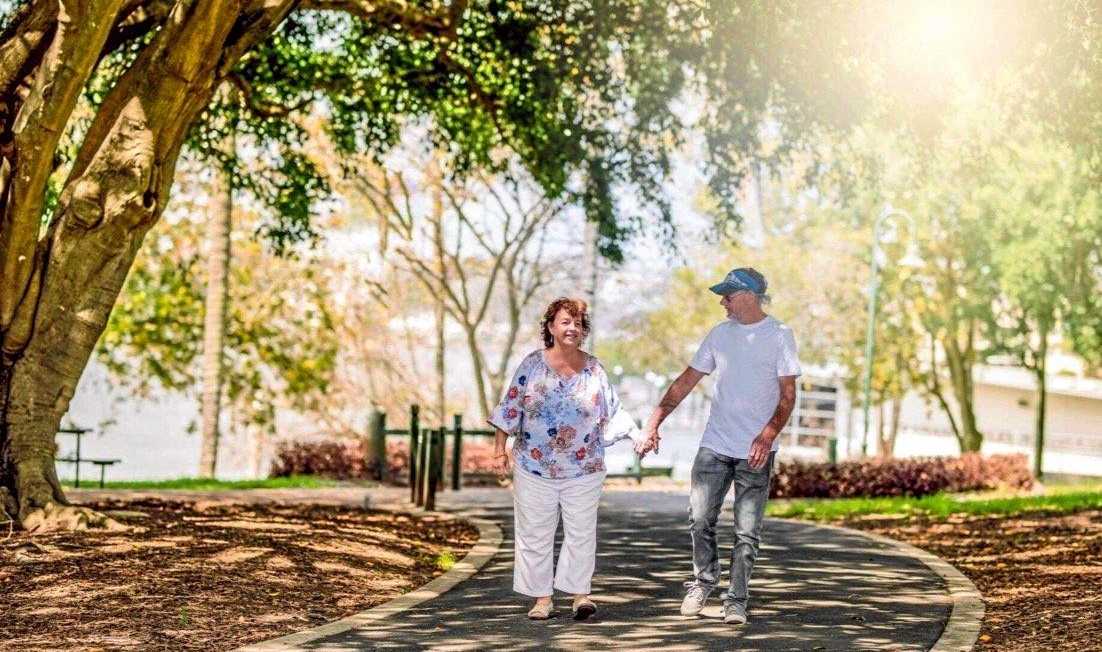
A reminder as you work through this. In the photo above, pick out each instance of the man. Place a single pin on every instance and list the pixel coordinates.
(756, 364)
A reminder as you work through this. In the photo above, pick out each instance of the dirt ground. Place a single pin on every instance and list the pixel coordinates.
(213, 576)
(1040, 575)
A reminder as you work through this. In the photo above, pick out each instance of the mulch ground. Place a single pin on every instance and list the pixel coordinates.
(213, 576)
(1040, 575)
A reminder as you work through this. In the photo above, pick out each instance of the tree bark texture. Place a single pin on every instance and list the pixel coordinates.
(57, 286)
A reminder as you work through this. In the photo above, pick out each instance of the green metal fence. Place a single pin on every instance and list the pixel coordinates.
(428, 451)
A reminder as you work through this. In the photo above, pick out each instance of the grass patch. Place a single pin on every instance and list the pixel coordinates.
(207, 484)
(445, 561)
(1078, 486)
(936, 506)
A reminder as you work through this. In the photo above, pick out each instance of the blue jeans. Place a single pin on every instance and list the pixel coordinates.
(711, 478)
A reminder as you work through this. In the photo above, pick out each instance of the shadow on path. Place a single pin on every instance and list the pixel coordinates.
(812, 589)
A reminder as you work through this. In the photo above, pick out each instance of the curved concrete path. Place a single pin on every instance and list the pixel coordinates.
(813, 588)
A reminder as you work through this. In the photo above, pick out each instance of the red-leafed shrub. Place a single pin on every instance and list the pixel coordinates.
(915, 476)
(345, 459)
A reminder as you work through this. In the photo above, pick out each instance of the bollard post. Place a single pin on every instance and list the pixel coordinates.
(376, 456)
(457, 450)
(424, 473)
(414, 436)
(432, 477)
(440, 457)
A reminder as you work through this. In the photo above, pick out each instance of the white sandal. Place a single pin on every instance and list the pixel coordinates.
(541, 611)
(583, 607)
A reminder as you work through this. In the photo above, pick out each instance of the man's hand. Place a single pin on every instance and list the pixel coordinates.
(760, 449)
(649, 444)
(676, 392)
(501, 464)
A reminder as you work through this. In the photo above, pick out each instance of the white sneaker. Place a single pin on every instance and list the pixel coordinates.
(695, 598)
(734, 613)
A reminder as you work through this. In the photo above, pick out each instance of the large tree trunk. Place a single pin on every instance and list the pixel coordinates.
(66, 283)
(214, 320)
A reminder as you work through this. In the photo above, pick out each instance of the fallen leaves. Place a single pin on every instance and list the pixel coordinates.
(189, 577)
(1039, 574)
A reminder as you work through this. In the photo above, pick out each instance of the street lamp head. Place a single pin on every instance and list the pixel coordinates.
(911, 259)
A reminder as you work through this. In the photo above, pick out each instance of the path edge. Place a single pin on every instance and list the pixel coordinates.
(963, 628)
(488, 545)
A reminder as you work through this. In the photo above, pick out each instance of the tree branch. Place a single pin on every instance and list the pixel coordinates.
(397, 14)
(434, 285)
(136, 18)
(260, 106)
(57, 80)
(28, 35)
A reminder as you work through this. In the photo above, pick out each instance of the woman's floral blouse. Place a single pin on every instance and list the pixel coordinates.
(562, 424)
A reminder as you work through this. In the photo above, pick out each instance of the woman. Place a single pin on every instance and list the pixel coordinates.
(563, 412)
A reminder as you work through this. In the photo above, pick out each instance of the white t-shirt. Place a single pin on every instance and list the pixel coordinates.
(750, 358)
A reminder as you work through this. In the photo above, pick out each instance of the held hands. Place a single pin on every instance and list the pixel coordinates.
(649, 444)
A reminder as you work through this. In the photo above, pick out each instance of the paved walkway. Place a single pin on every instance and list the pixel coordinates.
(813, 589)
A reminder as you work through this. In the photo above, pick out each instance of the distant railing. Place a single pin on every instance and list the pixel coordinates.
(427, 449)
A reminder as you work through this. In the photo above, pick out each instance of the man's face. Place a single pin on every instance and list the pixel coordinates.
(738, 302)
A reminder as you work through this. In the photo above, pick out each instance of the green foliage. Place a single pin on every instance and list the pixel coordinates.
(159, 317)
(935, 506)
(1006, 226)
(586, 95)
(1047, 214)
(280, 343)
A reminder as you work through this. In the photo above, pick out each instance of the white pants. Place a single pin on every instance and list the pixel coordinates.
(536, 504)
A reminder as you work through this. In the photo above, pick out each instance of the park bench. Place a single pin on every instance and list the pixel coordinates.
(76, 459)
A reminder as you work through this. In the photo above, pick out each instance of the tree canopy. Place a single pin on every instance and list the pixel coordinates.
(99, 97)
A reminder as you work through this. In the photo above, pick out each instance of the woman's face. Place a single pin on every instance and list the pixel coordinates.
(566, 329)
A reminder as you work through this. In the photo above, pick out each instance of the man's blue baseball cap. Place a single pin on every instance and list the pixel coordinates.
(740, 279)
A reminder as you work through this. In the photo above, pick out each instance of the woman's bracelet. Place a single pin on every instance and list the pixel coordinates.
(501, 454)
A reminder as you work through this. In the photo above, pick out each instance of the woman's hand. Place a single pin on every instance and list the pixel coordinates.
(501, 464)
